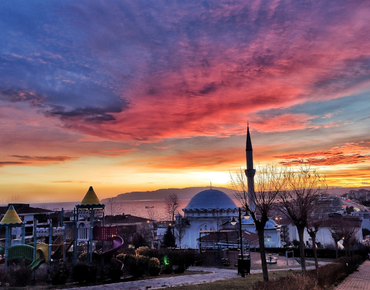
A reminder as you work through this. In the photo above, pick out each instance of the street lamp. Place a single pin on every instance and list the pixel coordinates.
(234, 222)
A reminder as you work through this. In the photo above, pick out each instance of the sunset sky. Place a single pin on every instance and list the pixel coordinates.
(141, 95)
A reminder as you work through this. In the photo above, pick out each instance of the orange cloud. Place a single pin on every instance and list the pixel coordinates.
(349, 153)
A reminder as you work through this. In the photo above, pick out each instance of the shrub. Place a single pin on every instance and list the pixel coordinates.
(20, 276)
(115, 269)
(4, 276)
(329, 274)
(59, 274)
(121, 257)
(84, 273)
(136, 266)
(141, 251)
(143, 263)
(179, 269)
(181, 259)
(154, 267)
(294, 281)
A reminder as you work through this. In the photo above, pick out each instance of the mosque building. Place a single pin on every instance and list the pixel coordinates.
(210, 211)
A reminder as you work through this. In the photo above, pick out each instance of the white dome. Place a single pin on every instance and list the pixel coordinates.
(209, 200)
(270, 224)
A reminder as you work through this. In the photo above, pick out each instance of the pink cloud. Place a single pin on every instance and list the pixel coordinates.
(349, 153)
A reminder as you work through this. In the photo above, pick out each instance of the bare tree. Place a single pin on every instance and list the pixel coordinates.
(344, 229)
(180, 228)
(150, 212)
(112, 205)
(172, 204)
(268, 184)
(313, 226)
(303, 187)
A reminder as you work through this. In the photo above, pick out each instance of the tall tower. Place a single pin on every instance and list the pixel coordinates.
(250, 172)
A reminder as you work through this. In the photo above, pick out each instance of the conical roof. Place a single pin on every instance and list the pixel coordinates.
(11, 217)
(90, 198)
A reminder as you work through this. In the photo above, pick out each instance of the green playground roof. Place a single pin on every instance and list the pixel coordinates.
(11, 217)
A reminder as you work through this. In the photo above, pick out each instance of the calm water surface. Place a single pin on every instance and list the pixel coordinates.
(152, 209)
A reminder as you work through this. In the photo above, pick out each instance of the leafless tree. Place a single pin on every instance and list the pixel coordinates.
(172, 204)
(269, 181)
(180, 227)
(343, 229)
(313, 226)
(303, 187)
(150, 212)
(111, 205)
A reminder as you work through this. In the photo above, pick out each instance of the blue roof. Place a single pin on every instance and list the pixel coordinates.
(210, 199)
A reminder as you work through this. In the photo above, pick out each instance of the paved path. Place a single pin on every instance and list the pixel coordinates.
(159, 283)
(358, 280)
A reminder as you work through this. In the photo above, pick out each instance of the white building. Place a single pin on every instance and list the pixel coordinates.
(212, 210)
(206, 211)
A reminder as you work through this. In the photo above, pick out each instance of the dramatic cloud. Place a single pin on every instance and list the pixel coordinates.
(336, 156)
(170, 86)
(133, 71)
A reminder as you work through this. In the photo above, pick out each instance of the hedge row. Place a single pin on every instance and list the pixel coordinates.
(153, 262)
(327, 276)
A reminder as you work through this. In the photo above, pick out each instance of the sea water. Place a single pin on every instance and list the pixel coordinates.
(150, 209)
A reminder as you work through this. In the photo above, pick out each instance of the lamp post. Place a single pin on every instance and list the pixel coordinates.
(241, 263)
(233, 222)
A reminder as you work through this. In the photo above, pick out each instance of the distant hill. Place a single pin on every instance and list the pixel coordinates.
(343, 190)
(189, 192)
(161, 194)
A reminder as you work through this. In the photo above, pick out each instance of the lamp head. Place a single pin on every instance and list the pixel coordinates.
(233, 221)
(246, 215)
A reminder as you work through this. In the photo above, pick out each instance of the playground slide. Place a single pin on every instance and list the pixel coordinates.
(27, 251)
(117, 243)
(35, 264)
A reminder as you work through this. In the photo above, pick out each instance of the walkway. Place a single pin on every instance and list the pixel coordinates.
(158, 283)
(357, 280)
(213, 274)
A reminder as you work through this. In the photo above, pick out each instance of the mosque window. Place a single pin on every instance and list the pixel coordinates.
(205, 227)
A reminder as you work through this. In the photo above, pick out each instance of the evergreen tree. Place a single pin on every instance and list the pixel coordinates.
(169, 238)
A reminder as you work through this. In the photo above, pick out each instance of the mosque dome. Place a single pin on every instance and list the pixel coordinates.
(270, 224)
(210, 199)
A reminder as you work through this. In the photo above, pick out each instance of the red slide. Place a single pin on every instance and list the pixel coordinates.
(117, 243)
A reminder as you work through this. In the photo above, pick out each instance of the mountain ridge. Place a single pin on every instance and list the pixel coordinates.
(189, 192)
(161, 194)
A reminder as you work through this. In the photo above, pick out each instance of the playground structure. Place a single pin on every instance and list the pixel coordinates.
(86, 227)
(92, 227)
(36, 256)
(35, 253)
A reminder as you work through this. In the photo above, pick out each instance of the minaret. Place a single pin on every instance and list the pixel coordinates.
(250, 172)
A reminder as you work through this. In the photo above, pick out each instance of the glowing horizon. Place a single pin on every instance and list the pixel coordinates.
(141, 95)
